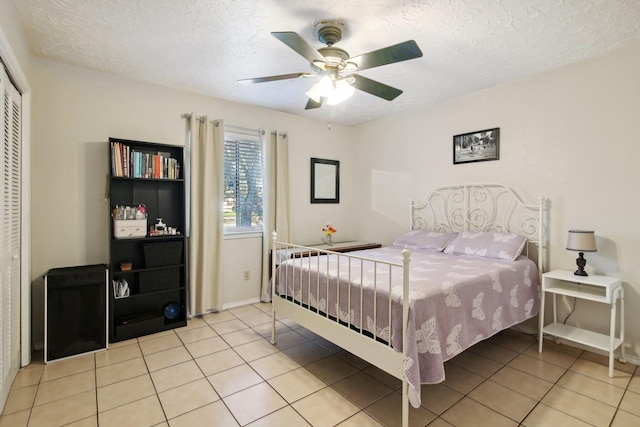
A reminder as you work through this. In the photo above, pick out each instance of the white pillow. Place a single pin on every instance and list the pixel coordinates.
(487, 244)
(425, 239)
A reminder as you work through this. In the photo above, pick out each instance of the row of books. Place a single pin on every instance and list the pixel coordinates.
(128, 162)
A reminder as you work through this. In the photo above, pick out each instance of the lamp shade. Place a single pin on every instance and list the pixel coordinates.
(581, 241)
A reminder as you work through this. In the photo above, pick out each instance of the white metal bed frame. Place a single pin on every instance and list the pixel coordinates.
(463, 207)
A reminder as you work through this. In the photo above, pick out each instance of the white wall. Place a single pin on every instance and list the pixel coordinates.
(570, 135)
(75, 112)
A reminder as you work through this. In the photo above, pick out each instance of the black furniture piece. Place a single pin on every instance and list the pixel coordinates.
(148, 261)
(75, 311)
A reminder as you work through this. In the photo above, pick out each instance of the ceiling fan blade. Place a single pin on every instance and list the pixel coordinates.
(388, 55)
(375, 88)
(311, 104)
(274, 78)
(297, 43)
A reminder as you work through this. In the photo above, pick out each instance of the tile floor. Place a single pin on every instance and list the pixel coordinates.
(221, 370)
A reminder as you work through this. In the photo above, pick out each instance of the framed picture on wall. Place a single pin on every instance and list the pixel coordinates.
(325, 181)
(478, 146)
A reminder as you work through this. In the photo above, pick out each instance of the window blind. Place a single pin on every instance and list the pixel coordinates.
(242, 183)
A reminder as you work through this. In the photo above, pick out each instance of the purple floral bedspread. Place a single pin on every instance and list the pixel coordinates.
(455, 300)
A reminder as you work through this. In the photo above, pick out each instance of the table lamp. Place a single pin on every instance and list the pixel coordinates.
(581, 241)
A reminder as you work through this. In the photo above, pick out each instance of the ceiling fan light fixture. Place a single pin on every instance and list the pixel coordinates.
(333, 90)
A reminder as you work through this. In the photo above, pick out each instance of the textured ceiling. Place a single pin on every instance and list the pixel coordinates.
(205, 46)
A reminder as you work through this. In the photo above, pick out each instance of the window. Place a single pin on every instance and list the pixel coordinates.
(242, 183)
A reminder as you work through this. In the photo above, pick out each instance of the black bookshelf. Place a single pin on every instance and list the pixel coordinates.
(147, 263)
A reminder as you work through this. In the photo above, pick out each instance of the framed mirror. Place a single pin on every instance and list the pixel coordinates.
(325, 181)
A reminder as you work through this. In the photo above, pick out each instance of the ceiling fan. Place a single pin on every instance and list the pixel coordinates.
(336, 68)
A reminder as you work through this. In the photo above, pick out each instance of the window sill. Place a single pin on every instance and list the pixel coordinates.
(243, 235)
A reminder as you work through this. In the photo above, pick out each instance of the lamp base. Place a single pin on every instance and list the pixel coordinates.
(580, 262)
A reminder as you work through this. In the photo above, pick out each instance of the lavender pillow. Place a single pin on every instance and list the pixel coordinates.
(424, 239)
(506, 246)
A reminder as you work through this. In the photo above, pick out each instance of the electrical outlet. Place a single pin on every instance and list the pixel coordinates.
(246, 275)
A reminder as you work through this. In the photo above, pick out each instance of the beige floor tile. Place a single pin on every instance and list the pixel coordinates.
(66, 367)
(631, 403)
(475, 363)
(214, 318)
(314, 408)
(595, 389)
(162, 334)
(361, 389)
(306, 353)
(601, 372)
(551, 355)
(64, 411)
(234, 379)
(467, 412)
(545, 416)
(160, 344)
(353, 359)
(538, 368)
(517, 342)
(20, 399)
(438, 397)
(296, 384)
(388, 412)
(257, 319)
(242, 336)
(634, 384)
(65, 387)
(460, 379)
(274, 365)
(176, 375)
(494, 352)
(229, 326)
(193, 323)
(328, 345)
(218, 362)
(602, 359)
(187, 397)
(141, 413)
(265, 329)
(115, 372)
(282, 417)
(361, 419)
(255, 350)
(245, 311)
(623, 419)
(582, 407)
(114, 345)
(264, 306)
(166, 358)
(331, 369)
(263, 401)
(523, 383)
(288, 339)
(503, 400)
(196, 334)
(382, 376)
(204, 416)
(124, 392)
(91, 421)
(206, 346)
(28, 376)
(15, 419)
(118, 354)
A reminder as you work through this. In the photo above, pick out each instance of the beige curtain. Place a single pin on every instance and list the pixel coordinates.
(206, 184)
(276, 212)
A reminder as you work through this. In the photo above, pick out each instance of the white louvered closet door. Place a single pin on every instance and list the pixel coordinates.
(10, 119)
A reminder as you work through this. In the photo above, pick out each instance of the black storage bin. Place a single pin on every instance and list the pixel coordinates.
(163, 254)
(75, 311)
(159, 280)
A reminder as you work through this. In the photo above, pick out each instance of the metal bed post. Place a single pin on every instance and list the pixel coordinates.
(274, 238)
(406, 255)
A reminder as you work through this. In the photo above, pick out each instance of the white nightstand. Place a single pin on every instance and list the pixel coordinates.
(597, 288)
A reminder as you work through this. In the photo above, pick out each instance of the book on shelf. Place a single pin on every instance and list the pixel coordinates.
(131, 162)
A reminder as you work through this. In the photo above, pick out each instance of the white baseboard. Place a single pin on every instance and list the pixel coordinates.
(240, 303)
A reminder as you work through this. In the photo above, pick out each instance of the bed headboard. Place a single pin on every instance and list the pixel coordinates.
(483, 207)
